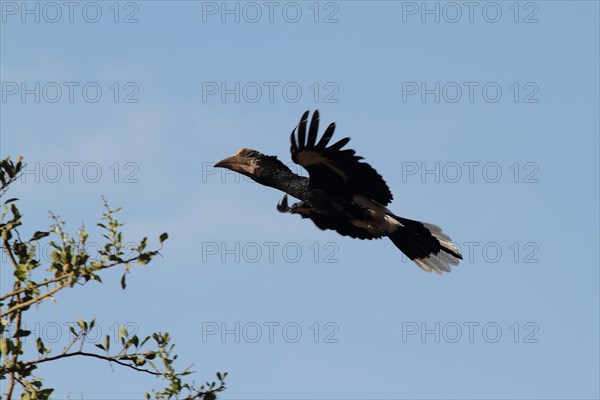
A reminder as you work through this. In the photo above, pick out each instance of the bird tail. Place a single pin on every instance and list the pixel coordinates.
(425, 244)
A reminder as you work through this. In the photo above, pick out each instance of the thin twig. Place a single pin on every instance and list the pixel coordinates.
(93, 355)
(35, 300)
(10, 253)
(15, 357)
(37, 285)
(57, 288)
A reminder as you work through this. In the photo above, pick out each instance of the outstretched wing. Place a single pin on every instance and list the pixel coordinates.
(333, 168)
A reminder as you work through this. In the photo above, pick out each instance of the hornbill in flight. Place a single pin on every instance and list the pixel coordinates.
(343, 194)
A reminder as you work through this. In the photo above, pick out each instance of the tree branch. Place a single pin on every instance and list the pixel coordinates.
(47, 282)
(93, 355)
(19, 305)
(11, 379)
(10, 253)
(37, 285)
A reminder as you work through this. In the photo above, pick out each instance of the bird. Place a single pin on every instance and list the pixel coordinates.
(344, 194)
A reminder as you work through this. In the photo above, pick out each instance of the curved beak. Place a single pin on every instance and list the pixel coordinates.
(238, 162)
(230, 162)
(241, 162)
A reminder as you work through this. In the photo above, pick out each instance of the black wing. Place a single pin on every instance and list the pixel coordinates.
(333, 169)
(341, 226)
(326, 219)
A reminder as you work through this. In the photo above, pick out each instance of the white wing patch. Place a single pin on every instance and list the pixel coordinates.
(383, 223)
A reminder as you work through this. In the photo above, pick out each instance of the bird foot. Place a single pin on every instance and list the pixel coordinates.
(295, 208)
(282, 206)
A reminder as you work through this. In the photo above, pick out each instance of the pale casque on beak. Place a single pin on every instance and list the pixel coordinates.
(240, 162)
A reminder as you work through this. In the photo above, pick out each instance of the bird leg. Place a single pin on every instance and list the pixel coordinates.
(296, 208)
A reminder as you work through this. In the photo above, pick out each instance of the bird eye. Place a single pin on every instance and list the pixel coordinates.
(258, 163)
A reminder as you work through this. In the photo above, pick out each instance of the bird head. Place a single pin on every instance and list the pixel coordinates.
(254, 164)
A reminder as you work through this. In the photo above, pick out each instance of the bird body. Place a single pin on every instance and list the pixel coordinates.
(344, 194)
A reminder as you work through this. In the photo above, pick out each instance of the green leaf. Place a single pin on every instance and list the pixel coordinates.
(4, 346)
(123, 331)
(40, 345)
(39, 234)
(144, 341)
(6, 235)
(143, 244)
(144, 258)
(123, 283)
(101, 347)
(54, 256)
(164, 236)
(20, 274)
(82, 324)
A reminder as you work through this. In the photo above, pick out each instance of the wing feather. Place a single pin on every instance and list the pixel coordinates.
(312, 131)
(339, 144)
(294, 148)
(326, 136)
(302, 130)
(334, 168)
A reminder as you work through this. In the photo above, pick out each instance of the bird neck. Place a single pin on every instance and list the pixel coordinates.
(287, 181)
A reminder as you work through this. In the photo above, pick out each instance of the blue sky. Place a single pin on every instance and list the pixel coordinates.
(484, 122)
